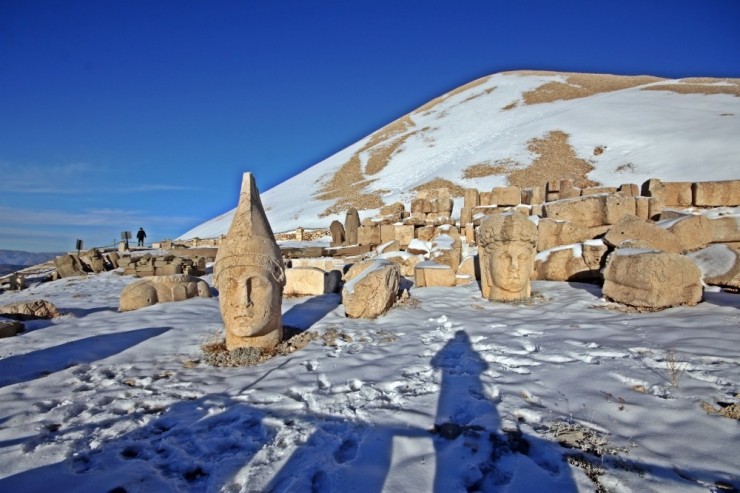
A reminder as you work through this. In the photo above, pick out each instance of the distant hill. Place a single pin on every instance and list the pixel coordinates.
(521, 128)
(19, 259)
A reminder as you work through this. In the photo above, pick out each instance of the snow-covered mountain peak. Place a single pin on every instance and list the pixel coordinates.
(521, 128)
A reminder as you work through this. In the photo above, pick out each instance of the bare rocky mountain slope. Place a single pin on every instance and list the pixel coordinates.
(521, 128)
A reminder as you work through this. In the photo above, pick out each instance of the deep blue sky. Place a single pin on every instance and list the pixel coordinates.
(121, 114)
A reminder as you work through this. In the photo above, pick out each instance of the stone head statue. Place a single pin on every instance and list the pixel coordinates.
(250, 276)
(507, 252)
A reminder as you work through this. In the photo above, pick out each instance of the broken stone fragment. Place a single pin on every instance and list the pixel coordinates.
(162, 289)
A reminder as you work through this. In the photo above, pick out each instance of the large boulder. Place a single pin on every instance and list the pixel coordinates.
(552, 233)
(10, 328)
(30, 310)
(68, 265)
(591, 210)
(309, 281)
(644, 234)
(372, 291)
(692, 231)
(716, 193)
(719, 264)
(162, 289)
(579, 262)
(651, 280)
(430, 274)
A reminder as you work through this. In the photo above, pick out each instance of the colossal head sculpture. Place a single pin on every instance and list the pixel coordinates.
(507, 256)
(250, 276)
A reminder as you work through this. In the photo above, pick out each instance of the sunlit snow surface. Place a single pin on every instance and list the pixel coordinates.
(99, 400)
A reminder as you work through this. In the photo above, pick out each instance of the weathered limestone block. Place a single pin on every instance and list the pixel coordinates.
(471, 198)
(387, 233)
(10, 328)
(368, 235)
(668, 194)
(579, 262)
(30, 310)
(485, 199)
(162, 289)
(416, 219)
(725, 229)
(446, 250)
(250, 275)
(392, 209)
(597, 190)
(405, 261)
(373, 291)
(337, 233)
(170, 269)
(403, 234)
(693, 232)
(552, 233)
(327, 264)
(507, 251)
(649, 235)
(113, 258)
(506, 196)
(431, 274)
(421, 205)
(568, 190)
(68, 266)
(466, 215)
(642, 208)
(716, 193)
(469, 232)
(447, 229)
(93, 261)
(533, 195)
(425, 233)
(305, 281)
(389, 246)
(351, 224)
(591, 210)
(553, 186)
(651, 280)
(469, 267)
(629, 189)
(719, 265)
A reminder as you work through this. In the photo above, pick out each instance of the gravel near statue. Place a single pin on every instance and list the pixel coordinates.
(508, 244)
(250, 276)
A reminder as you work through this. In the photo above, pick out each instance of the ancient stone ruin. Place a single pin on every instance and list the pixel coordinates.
(506, 257)
(249, 275)
(162, 289)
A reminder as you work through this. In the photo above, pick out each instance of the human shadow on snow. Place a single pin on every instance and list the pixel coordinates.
(42, 362)
(218, 443)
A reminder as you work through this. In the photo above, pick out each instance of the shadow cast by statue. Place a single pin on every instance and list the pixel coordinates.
(304, 315)
(42, 362)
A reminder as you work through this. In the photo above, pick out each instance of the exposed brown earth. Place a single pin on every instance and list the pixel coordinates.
(584, 85)
(347, 185)
(380, 155)
(700, 85)
(481, 170)
(556, 160)
(455, 189)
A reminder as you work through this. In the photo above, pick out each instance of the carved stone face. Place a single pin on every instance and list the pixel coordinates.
(250, 303)
(510, 267)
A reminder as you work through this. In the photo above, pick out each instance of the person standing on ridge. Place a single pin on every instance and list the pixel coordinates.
(140, 235)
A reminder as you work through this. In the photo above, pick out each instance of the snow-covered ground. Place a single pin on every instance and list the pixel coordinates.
(642, 134)
(448, 392)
